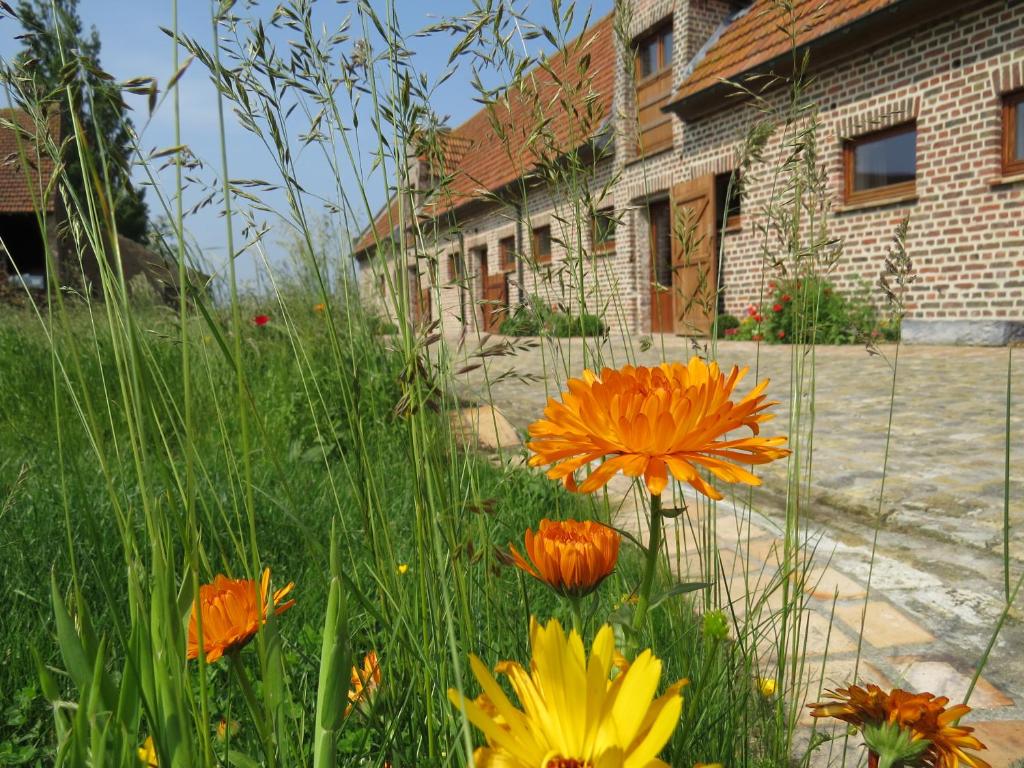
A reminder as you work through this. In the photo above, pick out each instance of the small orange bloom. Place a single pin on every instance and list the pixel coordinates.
(232, 612)
(571, 557)
(652, 421)
(923, 715)
(319, 308)
(365, 682)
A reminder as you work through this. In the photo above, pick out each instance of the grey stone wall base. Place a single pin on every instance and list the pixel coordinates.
(977, 333)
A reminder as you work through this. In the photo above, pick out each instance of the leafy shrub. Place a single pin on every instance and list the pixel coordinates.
(536, 318)
(564, 325)
(523, 321)
(810, 309)
(727, 325)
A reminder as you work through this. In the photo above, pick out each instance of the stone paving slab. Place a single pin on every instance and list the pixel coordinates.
(936, 573)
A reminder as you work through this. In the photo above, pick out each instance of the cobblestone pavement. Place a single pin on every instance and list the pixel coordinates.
(937, 579)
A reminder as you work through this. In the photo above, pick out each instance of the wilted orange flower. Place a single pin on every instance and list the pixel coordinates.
(224, 729)
(232, 612)
(923, 715)
(571, 557)
(365, 682)
(652, 421)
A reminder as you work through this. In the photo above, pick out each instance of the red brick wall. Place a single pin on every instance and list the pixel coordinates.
(966, 231)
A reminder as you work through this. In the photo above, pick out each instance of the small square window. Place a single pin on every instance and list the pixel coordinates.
(1013, 133)
(882, 164)
(507, 253)
(542, 245)
(603, 231)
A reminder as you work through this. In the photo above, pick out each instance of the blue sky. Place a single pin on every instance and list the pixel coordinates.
(133, 45)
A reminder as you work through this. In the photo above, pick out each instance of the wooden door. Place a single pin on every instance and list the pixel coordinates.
(494, 290)
(662, 289)
(419, 298)
(694, 256)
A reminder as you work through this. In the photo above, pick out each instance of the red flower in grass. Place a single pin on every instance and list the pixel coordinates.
(261, 320)
(757, 337)
(776, 308)
(759, 318)
(786, 297)
(731, 331)
(782, 334)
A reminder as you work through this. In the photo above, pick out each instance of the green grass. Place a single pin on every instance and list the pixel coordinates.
(305, 474)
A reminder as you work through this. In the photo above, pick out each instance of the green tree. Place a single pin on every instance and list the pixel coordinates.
(78, 85)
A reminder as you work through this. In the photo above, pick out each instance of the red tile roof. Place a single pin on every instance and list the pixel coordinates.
(20, 186)
(763, 33)
(385, 226)
(502, 143)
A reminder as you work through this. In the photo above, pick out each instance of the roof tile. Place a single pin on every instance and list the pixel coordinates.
(764, 32)
(501, 143)
(18, 188)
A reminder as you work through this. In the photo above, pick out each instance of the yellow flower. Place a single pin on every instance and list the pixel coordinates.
(364, 682)
(319, 308)
(923, 715)
(767, 686)
(649, 422)
(571, 557)
(403, 568)
(232, 612)
(707, 765)
(147, 753)
(573, 714)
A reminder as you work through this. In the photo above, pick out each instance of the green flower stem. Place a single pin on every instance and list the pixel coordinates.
(254, 707)
(577, 615)
(653, 550)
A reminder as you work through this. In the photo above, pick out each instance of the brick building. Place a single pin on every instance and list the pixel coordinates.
(33, 224)
(620, 206)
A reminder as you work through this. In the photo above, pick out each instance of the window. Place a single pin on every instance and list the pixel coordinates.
(733, 203)
(456, 268)
(654, 51)
(881, 165)
(653, 89)
(542, 245)
(1013, 133)
(602, 231)
(507, 253)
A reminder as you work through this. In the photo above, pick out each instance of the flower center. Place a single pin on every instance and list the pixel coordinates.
(568, 762)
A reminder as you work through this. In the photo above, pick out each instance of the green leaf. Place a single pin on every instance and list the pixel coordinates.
(679, 589)
(241, 760)
(71, 650)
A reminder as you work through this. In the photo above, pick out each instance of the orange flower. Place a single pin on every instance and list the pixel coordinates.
(319, 308)
(232, 611)
(921, 715)
(571, 557)
(365, 682)
(652, 421)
